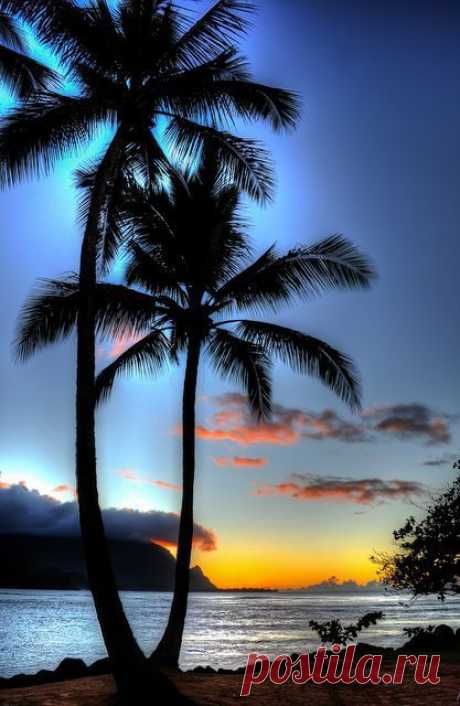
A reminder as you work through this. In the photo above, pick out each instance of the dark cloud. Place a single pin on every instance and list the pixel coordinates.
(365, 491)
(239, 462)
(410, 421)
(444, 460)
(24, 511)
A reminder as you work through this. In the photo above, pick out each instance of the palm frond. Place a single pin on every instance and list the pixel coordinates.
(34, 11)
(255, 101)
(79, 33)
(146, 357)
(43, 130)
(22, 75)
(245, 162)
(48, 316)
(234, 291)
(123, 312)
(113, 226)
(305, 271)
(224, 23)
(10, 32)
(151, 274)
(307, 355)
(51, 312)
(222, 89)
(247, 364)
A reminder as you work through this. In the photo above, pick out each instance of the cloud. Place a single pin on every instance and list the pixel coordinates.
(64, 488)
(239, 462)
(24, 511)
(128, 474)
(446, 459)
(410, 421)
(289, 425)
(311, 488)
(114, 349)
(167, 486)
(233, 422)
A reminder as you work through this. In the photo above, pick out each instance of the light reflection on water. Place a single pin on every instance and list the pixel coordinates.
(39, 628)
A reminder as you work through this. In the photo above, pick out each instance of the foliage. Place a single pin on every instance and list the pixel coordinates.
(188, 267)
(427, 558)
(332, 631)
(150, 66)
(419, 632)
(19, 73)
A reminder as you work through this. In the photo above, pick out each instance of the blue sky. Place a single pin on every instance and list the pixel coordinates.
(375, 157)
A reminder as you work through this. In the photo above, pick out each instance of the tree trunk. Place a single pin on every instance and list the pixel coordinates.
(121, 646)
(136, 683)
(168, 650)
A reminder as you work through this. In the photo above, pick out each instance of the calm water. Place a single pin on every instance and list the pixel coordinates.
(39, 628)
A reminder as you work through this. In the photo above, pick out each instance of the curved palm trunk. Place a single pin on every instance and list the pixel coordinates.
(121, 646)
(168, 650)
(134, 681)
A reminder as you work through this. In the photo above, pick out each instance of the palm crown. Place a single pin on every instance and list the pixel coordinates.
(138, 65)
(189, 270)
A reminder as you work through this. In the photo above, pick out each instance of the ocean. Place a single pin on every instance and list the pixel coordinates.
(39, 628)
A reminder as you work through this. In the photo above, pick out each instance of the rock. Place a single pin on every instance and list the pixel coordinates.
(440, 639)
(99, 668)
(444, 636)
(71, 669)
(20, 680)
(44, 676)
(363, 648)
(204, 670)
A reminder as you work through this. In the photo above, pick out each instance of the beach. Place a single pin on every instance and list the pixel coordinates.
(223, 690)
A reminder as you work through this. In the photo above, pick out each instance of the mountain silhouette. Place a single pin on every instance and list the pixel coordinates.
(30, 561)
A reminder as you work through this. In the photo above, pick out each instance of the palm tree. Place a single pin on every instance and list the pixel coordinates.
(136, 69)
(189, 262)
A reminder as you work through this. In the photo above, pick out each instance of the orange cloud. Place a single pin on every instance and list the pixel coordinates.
(116, 348)
(165, 484)
(128, 474)
(122, 344)
(203, 541)
(239, 461)
(233, 422)
(361, 492)
(64, 489)
(267, 433)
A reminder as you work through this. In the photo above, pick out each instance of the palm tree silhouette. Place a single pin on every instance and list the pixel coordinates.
(189, 261)
(131, 69)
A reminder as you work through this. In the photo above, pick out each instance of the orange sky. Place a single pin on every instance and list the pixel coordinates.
(266, 567)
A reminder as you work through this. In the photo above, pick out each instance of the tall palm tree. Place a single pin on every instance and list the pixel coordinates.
(189, 262)
(132, 68)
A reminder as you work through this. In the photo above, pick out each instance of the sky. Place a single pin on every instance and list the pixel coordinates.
(318, 490)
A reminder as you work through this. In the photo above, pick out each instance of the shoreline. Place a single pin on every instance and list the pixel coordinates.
(447, 644)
